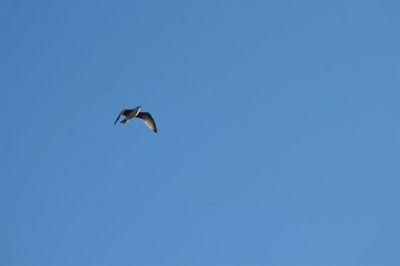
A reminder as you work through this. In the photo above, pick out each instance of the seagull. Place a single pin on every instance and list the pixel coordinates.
(132, 113)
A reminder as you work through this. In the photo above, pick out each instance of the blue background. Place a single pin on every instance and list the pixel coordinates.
(278, 137)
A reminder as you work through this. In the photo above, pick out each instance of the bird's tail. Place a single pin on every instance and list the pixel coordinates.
(124, 121)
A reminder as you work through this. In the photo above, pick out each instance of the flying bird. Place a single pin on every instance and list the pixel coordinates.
(132, 113)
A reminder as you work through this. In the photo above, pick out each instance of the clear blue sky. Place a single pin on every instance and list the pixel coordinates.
(278, 143)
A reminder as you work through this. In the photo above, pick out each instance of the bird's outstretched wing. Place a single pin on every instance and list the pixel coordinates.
(116, 120)
(148, 120)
